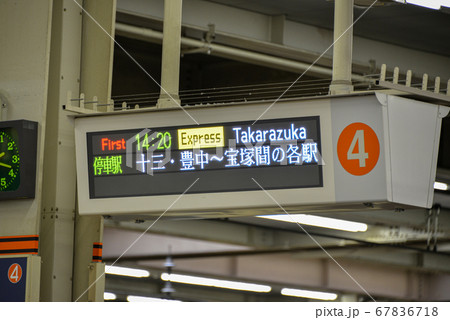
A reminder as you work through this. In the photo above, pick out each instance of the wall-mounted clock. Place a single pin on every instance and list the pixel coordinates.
(18, 146)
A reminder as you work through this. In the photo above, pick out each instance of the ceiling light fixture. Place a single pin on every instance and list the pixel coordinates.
(317, 221)
(127, 272)
(109, 296)
(210, 282)
(441, 186)
(318, 295)
(431, 4)
(148, 299)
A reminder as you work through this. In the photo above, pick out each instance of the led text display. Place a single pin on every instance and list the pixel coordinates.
(281, 153)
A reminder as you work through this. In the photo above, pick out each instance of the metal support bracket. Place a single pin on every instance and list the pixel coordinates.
(434, 94)
(80, 107)
(432, 228)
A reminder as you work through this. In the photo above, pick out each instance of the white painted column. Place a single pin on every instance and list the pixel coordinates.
(170, 70)
(59, 175)
(343, 47)
(96, 80)
(98, 51)
(24, 76)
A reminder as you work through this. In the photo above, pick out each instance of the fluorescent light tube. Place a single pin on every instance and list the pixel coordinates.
(440, 186)
(309, 294)
(431, 4)
(128, 272)
(109, 296)
(148, 299)
(317, 221)
(210, 282)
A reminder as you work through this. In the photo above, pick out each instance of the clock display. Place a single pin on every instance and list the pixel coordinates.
(18, 150)
(9, 160)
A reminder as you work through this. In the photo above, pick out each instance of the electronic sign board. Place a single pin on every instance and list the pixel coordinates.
(308, 155)
(280, 153)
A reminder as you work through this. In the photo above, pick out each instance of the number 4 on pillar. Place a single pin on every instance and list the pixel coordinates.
(358, 149)
(15, 273)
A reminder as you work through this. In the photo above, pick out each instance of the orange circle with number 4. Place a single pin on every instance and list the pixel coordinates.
(15, 273)
(358, 149)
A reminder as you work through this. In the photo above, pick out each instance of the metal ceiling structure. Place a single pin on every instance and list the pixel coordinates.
(402, 256)
(388, 21)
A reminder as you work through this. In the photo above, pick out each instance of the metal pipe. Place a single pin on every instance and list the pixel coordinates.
(145, 34)
(342, 48)
(359, 244)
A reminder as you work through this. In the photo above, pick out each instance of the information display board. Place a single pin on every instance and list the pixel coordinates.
(280, 153)
(322, 154)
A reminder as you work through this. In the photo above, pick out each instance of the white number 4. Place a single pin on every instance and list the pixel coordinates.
(361, 155)
(15, 274)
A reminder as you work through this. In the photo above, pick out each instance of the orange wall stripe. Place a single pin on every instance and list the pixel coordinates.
(28, 244)
(97, 251)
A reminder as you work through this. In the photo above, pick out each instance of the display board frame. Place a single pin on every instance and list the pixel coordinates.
(217, 203)
(368, 152)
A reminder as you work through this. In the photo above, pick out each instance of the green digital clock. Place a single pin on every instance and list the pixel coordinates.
(18, 146)
(9, 160)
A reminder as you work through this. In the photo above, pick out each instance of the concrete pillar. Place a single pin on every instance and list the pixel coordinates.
(96, 80)
(343, 46)
(24, 73)
(98, 50)
(170, 70)
(59, 181)
(88, 276)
